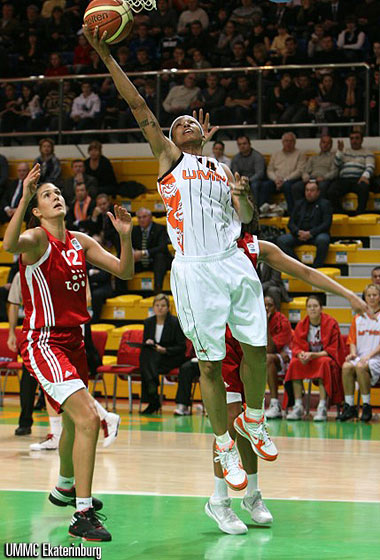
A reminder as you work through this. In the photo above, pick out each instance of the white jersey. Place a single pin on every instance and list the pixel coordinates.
(364, 333)
(201, 220)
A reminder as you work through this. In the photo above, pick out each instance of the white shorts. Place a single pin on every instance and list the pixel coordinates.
(214, 290)
(373, 366)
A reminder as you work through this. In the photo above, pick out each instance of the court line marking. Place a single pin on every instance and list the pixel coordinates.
(158, 494)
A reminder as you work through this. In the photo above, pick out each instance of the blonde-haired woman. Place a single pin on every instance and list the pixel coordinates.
(363, 362)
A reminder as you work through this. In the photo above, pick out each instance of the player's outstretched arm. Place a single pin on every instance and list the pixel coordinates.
(277, 259)
(163, 149)
(32, 240)
(122, 267)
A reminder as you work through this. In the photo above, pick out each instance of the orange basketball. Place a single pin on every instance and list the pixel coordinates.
(113, 16)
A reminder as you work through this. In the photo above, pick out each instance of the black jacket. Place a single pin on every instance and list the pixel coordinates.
(157, 240)
(320, 220)
(172, 337)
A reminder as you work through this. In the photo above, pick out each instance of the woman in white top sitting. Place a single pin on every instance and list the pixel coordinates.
(363, 362)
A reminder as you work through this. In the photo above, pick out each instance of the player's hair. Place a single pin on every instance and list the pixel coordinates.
(161, 297)
(316, 298)
(32, 220)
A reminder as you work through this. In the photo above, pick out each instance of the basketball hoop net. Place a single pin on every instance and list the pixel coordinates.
(139, 5)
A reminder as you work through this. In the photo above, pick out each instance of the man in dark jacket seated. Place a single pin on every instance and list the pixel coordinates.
(163, 350)
(150, 247)
(309, 223)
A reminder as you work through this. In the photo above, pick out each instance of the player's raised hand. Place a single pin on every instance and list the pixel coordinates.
(98, 43)
(241, 187)
(204, 121)
(122, 220)
(29, 186)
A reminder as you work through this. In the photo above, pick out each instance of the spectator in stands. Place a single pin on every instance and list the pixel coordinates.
(32, 23)
(280, 99)
(150, 247)
(9, 111)
(82, 54)
(86, 108)
(238, 57)
(260, 56)
(247, 15)
(258, 36)
(278, 353)
(213, 96)
(13, 193)
(315, 42)
(162, 17)
(197, 39)
(101, 224)
(49, 5)
(188, 373)
(356, 166)
(56, 68)
(239, 103)
(200, 63)
(273, 285)
(291, 54)
(30, 109)
(193, 13)
(58, 31)
(169, 41)
(284, 169)
(50, 164)
(164, 349)
(297, 110)
(30, 60)
(80, 211)
(51, 106)
(142, 40)
(368, 15)
(375, 60)
(375, 276)
(374, 104)
(218, 153)
(74, 10)
(278, 46)
(352, 98)
(78, 176)
(332, 15)
(363, 362)
(144, 63)
(250, 163)
(124, 59)
(3, 173)
(9, 26)
(318, 354)
(309, 223)
(328, 53)
(100, 167)
(227, 38)
(351, 41)
(181, 99)
(307, 16)
(179, 60)
(96, 67)
(320, 168)
(328, 106)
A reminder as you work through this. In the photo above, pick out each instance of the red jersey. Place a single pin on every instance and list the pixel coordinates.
(250, 245)
(54, 288)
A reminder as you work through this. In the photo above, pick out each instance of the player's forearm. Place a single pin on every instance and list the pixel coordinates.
(327, 284)
(126, 264)
(244, 209)
(12, 318)
(123, 84)
(13, 231)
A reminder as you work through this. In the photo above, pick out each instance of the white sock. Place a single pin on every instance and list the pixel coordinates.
(223, 440)
(65, 482)
(273, 402)
(349, 399)
(252, 485)
(83, 503)
(101, 411)
(55, 425)
(299, 402)
(254, 413)
(220, 488)
(366, 398)
(322, 403)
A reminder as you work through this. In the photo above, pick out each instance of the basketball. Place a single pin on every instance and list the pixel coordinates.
(113, 16)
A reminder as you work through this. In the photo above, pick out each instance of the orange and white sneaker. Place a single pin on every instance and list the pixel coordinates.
(255, 431)
(233, 472)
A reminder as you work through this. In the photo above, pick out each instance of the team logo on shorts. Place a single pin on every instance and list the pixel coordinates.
(68, 374)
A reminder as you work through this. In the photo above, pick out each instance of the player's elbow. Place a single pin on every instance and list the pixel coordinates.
(9, 247)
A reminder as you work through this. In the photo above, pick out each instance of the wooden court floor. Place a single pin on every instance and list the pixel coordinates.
(324, 491)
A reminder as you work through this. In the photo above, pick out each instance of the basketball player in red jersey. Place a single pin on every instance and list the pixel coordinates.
(212, 282)
(53, 283)
(218, 506)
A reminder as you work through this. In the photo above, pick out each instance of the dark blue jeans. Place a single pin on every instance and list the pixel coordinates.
(268, 188)
(288, 241)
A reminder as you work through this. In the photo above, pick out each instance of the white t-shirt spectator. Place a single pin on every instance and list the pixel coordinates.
(189, 16)
(86, 107)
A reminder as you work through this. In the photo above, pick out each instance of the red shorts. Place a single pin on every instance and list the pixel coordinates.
(231, 369)
(57, 359)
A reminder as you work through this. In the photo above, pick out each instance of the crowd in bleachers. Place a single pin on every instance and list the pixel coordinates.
(45, 38)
